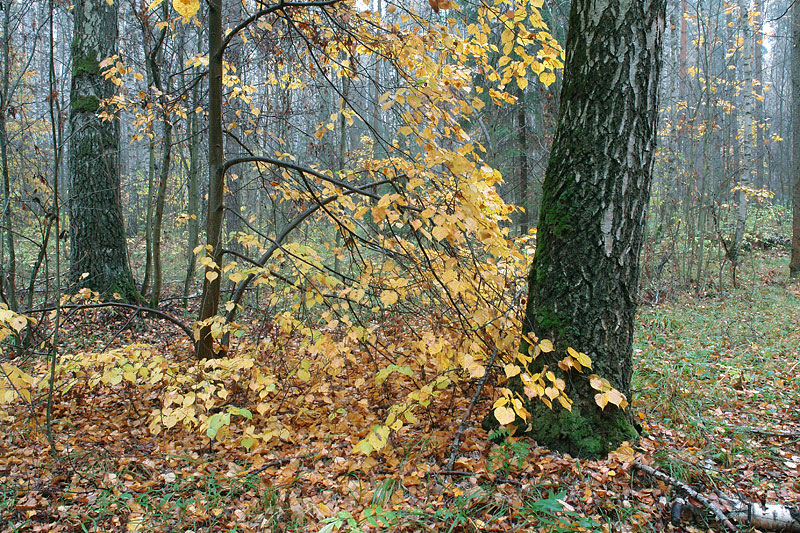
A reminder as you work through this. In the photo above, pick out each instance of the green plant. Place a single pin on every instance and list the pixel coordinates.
(548, 514)
(342, 518)
(508, 455)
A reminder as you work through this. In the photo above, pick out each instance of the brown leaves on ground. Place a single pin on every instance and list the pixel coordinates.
(113, 474)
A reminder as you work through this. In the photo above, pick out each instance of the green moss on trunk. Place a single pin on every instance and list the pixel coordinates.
(88, 104)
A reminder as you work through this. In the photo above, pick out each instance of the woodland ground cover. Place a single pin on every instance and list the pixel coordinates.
(716, 391)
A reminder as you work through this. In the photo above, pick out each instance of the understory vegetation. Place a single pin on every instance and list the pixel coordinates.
(715, 391)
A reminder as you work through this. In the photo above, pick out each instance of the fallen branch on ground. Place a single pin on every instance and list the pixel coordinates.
(771, 517)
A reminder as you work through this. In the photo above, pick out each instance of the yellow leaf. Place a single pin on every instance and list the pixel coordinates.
(584, 360)
(565, 402)
(504, 415)
(475, 369)
(511, 370)
(186, 8)
(624, 453)
(500, 402)
(18, 322)
(595, 382)
(616, 397)
(211, 276)
(440, 232)
(547, 78)
(389, 297)
(546, 346)
(378, 437)
(601, 399)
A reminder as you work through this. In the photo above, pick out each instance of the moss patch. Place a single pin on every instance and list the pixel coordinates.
(88, 104)
(86, 65)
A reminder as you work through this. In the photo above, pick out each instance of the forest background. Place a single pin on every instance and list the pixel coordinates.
(373, 174)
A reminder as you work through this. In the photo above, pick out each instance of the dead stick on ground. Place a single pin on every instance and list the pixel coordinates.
(713, 507)
(464, 421)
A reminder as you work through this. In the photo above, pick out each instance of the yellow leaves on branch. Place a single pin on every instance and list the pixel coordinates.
(607, 394)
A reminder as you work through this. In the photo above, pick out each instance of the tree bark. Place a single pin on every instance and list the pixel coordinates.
(157, 62)
(97, 232)
(583, 282)
(216, 181)
(522, 124)
(194, 197)
(794, 264)
(8, 271)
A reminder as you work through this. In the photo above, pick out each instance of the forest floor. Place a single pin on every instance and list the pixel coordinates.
(716, 390)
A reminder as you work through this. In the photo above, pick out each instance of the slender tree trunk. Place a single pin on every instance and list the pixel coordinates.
(194, 197)
(158, 216)
(157, 63)
(794, 264)
(758, 93)
(39, 259)
(148, 226)
(97, 232)
(216, 182)
(522, 119)
(8, 271)
(583, 282)
(746, 180)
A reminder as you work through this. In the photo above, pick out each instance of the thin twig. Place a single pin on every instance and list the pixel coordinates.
(464, 421)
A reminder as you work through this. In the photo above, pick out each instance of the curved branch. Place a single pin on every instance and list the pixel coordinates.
(280, 6)
(303, 170)
(138, 308)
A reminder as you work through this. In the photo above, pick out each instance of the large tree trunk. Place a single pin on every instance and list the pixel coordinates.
(583, 283)
(794, 264)
(97, 233)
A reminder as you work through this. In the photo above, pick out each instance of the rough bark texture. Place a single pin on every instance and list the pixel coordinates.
(97, 232)
(794, 264)
(583, 282)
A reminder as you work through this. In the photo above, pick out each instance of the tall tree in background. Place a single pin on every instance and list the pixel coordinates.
(8, 264)
(794, 264)
(97, 234)
(583, 282)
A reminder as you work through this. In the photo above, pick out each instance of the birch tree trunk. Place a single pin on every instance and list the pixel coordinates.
(583, 282)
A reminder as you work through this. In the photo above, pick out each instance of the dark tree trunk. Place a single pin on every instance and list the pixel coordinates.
(216, 182)
(97, 232)
(583, 282)
(8, 271)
